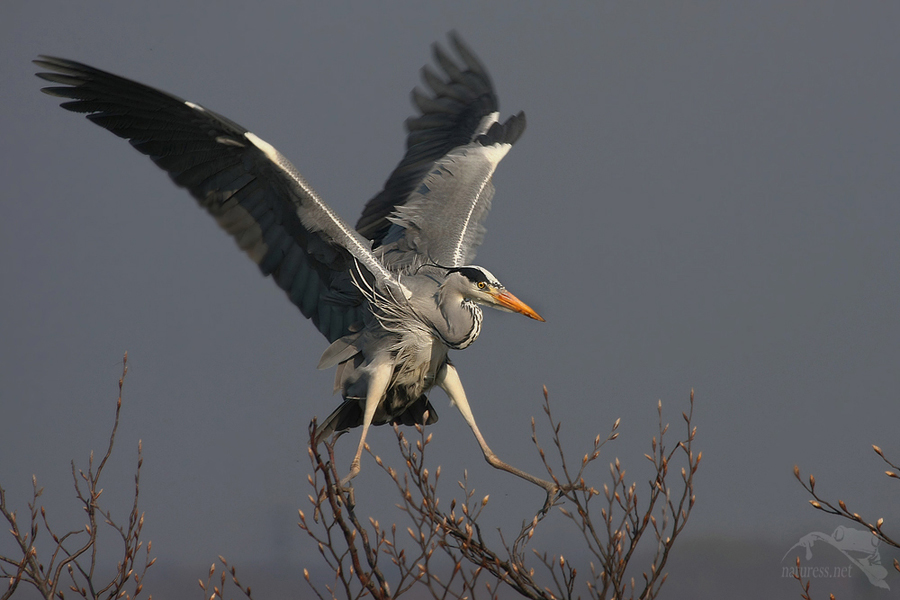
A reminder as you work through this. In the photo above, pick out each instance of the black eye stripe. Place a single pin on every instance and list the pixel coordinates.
(473, 275)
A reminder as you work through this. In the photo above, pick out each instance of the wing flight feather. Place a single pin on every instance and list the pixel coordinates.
(252, 191)
(434, 204)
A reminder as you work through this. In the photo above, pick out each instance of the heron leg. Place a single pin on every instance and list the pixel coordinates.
(448, 380)
(378, 383)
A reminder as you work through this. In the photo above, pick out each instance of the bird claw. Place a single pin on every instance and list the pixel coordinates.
(555, 492)
(549, 502)
(342, 492)
(344, 489)
(349, 494)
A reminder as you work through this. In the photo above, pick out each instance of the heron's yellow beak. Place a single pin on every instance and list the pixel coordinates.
(510, 302)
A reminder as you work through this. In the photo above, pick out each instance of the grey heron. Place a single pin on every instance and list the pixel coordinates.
(393, 295)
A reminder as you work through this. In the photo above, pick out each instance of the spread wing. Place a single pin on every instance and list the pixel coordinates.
(253, 192)
(434, 204)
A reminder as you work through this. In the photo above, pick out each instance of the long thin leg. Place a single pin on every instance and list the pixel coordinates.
(378, 382)
(448, 380)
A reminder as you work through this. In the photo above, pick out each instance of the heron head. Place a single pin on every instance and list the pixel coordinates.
(479, 285)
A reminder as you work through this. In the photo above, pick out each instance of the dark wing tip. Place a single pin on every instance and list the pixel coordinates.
(507, 132)
(468, 56)
(48, 62)
(66, 72)
(61, 65)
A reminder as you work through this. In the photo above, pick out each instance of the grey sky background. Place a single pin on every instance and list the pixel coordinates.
(706, 197)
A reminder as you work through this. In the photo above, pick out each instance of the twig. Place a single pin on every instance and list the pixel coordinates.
(450, 540)
(28, 568)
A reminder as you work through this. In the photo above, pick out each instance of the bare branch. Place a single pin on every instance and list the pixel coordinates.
(65, 561)
(841, 510)
(442, 548)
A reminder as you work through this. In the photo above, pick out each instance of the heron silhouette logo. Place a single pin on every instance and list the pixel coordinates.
(859, 546)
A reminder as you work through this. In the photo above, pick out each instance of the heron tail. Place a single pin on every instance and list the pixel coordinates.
(350, 414)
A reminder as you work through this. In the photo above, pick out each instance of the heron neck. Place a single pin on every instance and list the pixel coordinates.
(461, 320)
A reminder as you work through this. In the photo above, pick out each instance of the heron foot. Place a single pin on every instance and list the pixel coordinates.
(345, 484)
(343, 490)
(350, 495)
(354, 471)
(556, 492)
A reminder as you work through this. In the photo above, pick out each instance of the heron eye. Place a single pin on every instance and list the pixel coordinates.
(481, 285)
